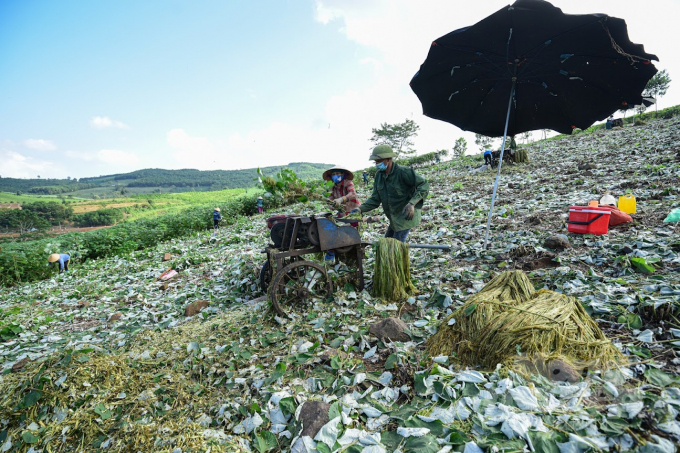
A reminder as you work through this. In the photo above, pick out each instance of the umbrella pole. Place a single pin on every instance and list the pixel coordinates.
(500, 162)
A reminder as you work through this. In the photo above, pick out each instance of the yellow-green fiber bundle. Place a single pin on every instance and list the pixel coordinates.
(457, 337)
(550, 324)
(392, 273)
(507, 322)
(521, 155)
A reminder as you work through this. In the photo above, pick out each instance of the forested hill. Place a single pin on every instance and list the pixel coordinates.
(159, 178)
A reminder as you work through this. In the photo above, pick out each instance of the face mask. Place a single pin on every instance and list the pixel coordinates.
(337, 178)
(381, 166)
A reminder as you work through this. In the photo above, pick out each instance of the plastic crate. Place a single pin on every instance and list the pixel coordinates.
(588, 220)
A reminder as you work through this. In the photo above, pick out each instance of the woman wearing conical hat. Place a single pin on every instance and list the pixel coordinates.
(342, 194)
(61, 258)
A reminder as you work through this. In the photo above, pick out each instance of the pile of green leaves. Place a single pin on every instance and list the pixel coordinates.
(289, 188)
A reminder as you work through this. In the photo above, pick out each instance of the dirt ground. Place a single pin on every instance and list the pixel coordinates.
(79, 209)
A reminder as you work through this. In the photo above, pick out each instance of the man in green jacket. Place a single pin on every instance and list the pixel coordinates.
(400, 190)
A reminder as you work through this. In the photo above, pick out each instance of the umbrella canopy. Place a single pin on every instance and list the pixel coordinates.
(646, 101)
(564, 71)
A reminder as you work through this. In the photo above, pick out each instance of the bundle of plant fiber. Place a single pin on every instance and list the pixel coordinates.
(551, 325)
(392, 271)
(521, 155)
(458, 332)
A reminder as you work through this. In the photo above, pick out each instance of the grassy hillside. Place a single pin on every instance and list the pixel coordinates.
(153, 180)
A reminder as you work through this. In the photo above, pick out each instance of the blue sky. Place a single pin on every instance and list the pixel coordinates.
(90, 88)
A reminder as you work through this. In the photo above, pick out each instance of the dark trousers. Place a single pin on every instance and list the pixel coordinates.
(398, 235)
(487, 159)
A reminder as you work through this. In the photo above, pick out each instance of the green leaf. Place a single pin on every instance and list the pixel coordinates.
(279, 371)
(458, 438)
(419, 383)
(288, 405)
(29, 437)
(303, 357)
(336, 362)
(334, 411)
(31, 398)
(436, 427)
(634, 321)
(391, 362)
(640, 352)
(390, 439)
(469, 310)
(303, 199)
(103, 412)
(404, 412)
(470, 389)
(614, 426)
(659, 378)
(641, 265)
(423, 444)
(323, 448)
(265, 441)
(545, 442)
(10, 331)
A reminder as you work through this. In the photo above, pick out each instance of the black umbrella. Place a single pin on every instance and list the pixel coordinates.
(646, 101)
(530, 66)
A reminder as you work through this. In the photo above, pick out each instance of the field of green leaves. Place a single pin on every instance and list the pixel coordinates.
(110, 357)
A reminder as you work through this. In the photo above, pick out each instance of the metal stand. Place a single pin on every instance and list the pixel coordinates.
(500, 163)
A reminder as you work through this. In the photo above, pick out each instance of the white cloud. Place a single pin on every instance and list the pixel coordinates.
(103, 122)
(15, 165)
(117, 157)
(40, 144)
(402, 32)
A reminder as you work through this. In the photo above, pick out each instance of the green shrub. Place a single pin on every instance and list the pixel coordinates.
(25, 262)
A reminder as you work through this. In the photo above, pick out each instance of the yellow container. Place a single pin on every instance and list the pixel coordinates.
(627, 204)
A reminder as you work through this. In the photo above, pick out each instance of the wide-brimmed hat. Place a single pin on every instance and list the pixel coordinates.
(348, 174)
(382, 152)
(217, 209)
(259, 198)
(53, 258)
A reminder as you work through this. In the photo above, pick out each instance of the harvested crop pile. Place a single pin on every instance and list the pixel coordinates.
(549, 324)
(507, 317)
(84, 400)
(458, 332)
(521, 155)
(392, 271)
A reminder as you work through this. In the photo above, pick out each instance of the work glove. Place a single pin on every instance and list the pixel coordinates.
(338, 201)
(370, 219)
(355, 211)
(409, 211)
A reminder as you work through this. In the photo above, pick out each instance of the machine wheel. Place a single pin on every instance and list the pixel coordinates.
(276, 234)
(349, 248)
(265, 276)
(298, 283)
(313, 234)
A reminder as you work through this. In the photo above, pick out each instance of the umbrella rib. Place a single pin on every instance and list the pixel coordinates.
(542, 46)
(483, 54)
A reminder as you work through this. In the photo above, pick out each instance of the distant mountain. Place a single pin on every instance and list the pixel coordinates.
(165, 180)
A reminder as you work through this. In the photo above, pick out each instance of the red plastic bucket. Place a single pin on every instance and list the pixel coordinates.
(588, 220)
